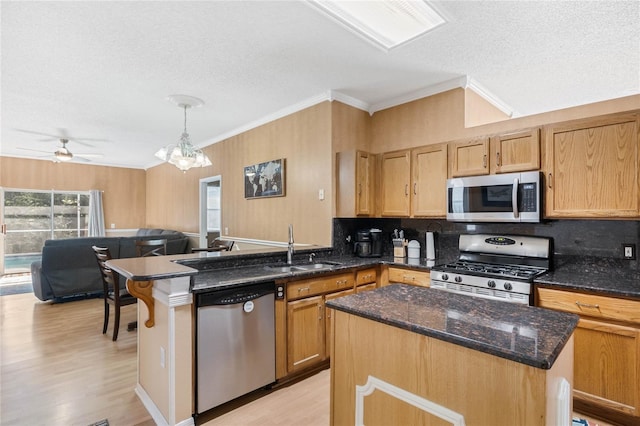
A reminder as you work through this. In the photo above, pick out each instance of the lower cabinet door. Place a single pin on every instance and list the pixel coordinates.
(305, 333)
(607, 367)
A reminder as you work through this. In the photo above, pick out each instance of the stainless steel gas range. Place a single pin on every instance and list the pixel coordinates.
(498, 267)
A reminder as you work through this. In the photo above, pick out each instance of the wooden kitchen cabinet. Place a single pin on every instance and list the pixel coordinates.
(469, 157)
(515, 152)
(355, 184)
(591, 167)
(607, 353)
(429, 165)
(409, 276)
(305, 333)
(395, 177)
(306, 318)
(504, 153)
(414, 182)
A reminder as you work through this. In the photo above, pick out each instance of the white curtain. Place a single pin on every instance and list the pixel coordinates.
(96, 214)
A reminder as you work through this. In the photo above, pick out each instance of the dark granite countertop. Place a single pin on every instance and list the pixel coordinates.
(525, 334)
(609, 277)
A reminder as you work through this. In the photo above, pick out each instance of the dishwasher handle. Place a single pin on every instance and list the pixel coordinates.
(235, 296)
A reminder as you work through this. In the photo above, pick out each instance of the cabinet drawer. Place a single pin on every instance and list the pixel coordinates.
(366, 276)
(409, 276)
(366, 287)
(314, 286)
(590, 305)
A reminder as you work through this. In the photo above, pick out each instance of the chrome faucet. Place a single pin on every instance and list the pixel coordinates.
(290, 249)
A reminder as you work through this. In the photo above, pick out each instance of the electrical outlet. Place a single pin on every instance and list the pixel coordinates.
(629, 251)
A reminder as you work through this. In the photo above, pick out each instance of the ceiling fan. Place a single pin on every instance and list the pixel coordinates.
(62, 153)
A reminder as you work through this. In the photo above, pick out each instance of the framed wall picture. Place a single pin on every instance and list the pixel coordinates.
(264, 179)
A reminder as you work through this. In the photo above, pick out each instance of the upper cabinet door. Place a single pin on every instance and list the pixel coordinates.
(429, 181)
(395, 181)
(515, 152)
(591, 167)
(469, 158)
(364, 183)
(355, 183)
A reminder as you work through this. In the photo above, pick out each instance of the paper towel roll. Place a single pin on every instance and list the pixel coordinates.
(431, 250)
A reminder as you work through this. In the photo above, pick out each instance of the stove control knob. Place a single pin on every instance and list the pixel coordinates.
(444, 277)
(508, 286)
(491, 284)
(458, 279)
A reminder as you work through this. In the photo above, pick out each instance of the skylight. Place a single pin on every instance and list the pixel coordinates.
(387, 24)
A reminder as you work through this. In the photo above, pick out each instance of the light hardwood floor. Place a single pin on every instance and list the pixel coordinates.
(57, 368)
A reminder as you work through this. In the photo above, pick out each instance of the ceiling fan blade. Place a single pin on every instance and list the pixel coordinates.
(80, 159)
(89, 155)
(56, 137)
(34, 150)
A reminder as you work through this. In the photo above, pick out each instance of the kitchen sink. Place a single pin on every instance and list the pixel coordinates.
(313, 266)
(303, 267)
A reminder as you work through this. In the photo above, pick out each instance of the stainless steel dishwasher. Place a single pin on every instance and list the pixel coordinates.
(235, 343)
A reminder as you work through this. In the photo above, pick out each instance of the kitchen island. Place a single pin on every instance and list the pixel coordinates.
(410, 355)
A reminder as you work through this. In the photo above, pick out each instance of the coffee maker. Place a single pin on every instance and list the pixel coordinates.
(368, 243)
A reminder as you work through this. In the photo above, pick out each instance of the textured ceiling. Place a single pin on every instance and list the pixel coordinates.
(102, 70)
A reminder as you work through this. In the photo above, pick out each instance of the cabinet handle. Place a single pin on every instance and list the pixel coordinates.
(406, 189)
(301, 289)
(587, 305)
(319, 312)
(415, 190)
(359, 189)
(549, 180)
(497, 158)
(484, 161)
(409, 277)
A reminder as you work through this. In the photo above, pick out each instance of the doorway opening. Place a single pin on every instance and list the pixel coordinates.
(210, 210)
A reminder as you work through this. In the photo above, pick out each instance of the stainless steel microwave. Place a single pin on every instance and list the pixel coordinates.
(510, 197)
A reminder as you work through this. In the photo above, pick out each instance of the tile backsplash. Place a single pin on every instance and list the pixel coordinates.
(598, 238)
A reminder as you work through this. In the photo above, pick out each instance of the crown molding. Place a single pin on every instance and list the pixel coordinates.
(489, 97)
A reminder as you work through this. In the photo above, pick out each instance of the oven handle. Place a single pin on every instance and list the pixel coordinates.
(514, 197)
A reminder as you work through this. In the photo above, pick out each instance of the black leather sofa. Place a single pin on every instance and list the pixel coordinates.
(69, 270)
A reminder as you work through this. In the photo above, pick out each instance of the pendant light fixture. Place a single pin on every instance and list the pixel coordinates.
(184, 155)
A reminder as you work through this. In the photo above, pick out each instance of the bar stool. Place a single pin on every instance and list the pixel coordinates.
(113, 294)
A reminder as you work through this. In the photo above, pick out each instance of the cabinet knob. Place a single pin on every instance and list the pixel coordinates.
(497, 158)
(484, 161)
(406, 189)
(549, 180)
(415, 189)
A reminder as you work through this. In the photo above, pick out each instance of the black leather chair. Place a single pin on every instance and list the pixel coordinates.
(113, 294)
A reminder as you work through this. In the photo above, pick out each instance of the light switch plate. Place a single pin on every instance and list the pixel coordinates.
(629, 251)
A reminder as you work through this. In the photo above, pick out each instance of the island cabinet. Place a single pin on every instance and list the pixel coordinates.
(607, 352)
(517, 151)
(414, 182)
(407, 355)
(355, 183)
(306, 321)
(592, 167)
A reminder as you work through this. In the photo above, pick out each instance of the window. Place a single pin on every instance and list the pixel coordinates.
(35, 216)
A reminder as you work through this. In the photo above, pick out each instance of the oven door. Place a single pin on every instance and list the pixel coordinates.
(512, 197)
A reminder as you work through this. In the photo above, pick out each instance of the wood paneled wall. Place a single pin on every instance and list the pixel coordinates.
(124, 189)
(303, 139)
(441, 118)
